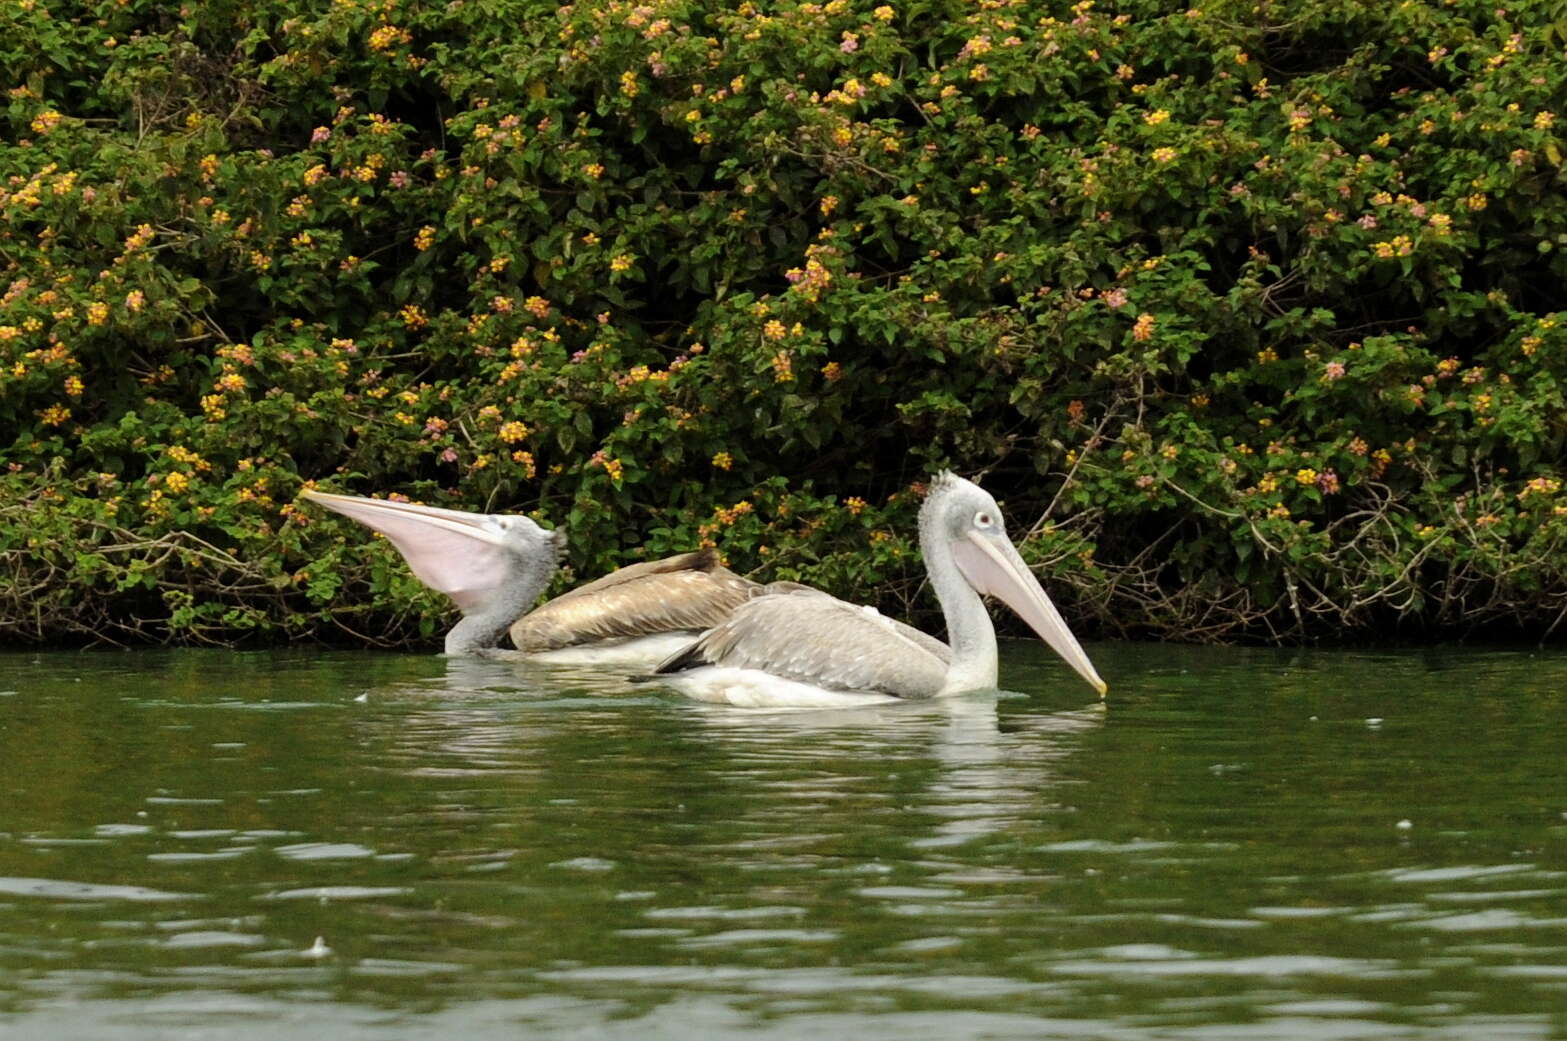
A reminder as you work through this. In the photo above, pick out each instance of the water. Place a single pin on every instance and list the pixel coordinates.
(1244, 845)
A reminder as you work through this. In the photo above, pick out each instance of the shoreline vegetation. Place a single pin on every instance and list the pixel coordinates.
(1250, 316)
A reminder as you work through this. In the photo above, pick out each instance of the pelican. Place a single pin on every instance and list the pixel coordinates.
(804, 648)
(494, 566)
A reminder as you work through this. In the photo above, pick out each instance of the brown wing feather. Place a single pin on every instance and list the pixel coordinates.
(691, 591)
(808, 636)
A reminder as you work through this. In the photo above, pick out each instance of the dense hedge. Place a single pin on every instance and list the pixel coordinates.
(1248, 313)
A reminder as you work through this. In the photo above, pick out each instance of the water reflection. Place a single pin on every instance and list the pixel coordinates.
(979, 778)
(482, 846)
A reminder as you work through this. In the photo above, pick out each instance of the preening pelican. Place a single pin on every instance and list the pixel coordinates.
(494, 566)
(806, 648)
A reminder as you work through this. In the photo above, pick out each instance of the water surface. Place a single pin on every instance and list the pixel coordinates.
(1240, 844)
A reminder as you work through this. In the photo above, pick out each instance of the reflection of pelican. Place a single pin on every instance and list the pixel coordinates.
(989, 771)
(494, 566)
(803, 647)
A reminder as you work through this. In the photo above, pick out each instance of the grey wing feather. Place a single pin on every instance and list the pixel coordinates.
(691, 591)
(811, 637)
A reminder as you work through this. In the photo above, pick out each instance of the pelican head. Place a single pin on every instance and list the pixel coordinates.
(492, 565)
(965, 543)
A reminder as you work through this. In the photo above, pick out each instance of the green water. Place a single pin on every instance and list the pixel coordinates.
(1242, 845)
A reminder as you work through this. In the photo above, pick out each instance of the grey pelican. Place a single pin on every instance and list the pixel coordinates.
(805, 648)
(494, 566)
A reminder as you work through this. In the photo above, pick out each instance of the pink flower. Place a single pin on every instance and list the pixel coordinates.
(321, 135)
(1368, 222)
(1334, 370)
(449, 456)
(1327, 481)
(850, 44)
(1115, 298)
(400, 179)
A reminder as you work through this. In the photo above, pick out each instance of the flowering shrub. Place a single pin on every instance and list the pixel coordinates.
(1250, 315)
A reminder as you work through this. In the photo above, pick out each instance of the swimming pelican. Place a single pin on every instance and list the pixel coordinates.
(494, 566)
(806, 648)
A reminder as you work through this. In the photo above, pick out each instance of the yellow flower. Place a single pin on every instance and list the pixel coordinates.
(425, 239)
(1156, 117)
(622, 262)
(512, 432)
(723, 460)
(176, 482)
(387, 37)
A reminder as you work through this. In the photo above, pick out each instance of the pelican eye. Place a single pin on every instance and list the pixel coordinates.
(983, 519)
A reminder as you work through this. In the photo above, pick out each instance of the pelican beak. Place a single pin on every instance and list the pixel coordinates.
(460, 554)
(993, 567)
(391, 518)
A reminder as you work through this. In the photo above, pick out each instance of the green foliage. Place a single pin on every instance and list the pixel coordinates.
(1248, 313)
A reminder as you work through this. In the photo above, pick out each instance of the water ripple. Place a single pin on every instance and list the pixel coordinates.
(57, 889)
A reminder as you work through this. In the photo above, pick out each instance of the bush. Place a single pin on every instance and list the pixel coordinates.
(1248, 314)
